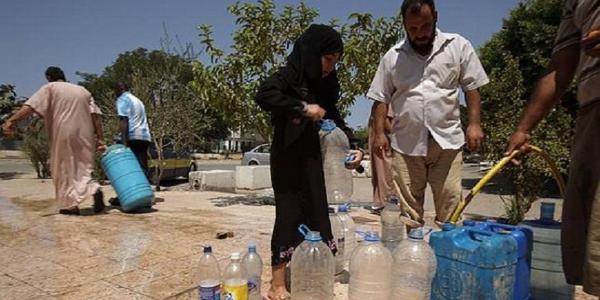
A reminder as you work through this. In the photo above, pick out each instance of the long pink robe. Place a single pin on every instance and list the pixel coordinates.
(67, 112)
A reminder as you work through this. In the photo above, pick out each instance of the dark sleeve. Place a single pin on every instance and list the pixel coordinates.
(330, 94)
(271, 96)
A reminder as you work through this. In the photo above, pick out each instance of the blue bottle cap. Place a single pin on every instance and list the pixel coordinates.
(371, 236)
(393, 199)
(313, 236)
(252, 248)
(328, 125)
(207, 249)
(343, 208)
(416, 233)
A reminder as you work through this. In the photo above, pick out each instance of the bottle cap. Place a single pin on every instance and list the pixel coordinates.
(207, 249)
(416, 233)
(313, 236)
(252, 247)
(371, 237)
(235, 256)
(343, 208)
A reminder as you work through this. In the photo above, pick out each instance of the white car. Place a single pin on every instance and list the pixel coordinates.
(260, 155)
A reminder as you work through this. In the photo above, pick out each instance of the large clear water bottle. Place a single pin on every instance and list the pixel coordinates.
(312, 268)
(334, 148)
(235, 279)
(392, 229)
(370, 270)
(414, 268)
(209, 276)
(254, 266)
(349, 228)
(337, 229)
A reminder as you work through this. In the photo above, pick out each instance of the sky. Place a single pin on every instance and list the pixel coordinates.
(88, 35)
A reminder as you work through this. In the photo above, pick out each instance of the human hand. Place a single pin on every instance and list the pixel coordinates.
(100, 146)
(354, 163)
(381, 146)
(591, 42)
(314, 112)
(474, 137)
(9, 129)
(518, 141)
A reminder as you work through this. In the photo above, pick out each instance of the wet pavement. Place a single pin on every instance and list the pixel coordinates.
(126, 256)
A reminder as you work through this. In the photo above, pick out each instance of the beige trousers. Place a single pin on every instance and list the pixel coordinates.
(441, 169)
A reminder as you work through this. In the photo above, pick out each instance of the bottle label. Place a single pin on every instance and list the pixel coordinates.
(236, 292)
(253, 285)
(209, 291)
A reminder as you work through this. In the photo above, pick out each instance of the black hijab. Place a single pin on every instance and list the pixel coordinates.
(304, 63)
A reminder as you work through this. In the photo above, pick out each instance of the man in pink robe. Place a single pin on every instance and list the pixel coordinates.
(72, 120)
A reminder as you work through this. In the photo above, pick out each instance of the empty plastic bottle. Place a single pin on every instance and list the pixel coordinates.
(334, 149)
(414, 268)
(370, 270)
(209, 276)
(312, 268)
(349, 228)
(392, 229)
(235, 279)
(254, 266)
(337, 229)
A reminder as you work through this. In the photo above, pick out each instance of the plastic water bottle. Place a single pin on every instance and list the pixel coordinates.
(414, 268)
(235, 279)
(370, 270)
(392, 229)
(254, 266)
(337, 229)
(312, 268)
(334, 148)
(349, 228)
(209, 276)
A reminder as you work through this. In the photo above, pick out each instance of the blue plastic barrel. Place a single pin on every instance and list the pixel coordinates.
(473, 264)
(127, 177)
(524, 238)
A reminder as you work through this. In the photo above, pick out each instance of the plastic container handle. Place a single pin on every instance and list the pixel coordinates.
(303, 229)
(473, 233)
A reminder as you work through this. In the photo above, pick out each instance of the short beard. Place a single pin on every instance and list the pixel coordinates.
(424, 49)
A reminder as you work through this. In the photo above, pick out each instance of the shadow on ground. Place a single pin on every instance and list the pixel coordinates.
(250, 200)
(10, 175)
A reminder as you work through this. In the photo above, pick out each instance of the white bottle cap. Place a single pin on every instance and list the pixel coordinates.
(235, 255)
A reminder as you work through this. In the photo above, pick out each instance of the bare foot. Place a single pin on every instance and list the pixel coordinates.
(279, 293)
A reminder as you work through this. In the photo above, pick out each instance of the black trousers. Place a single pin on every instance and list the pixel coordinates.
(140, 149)
(300, 198)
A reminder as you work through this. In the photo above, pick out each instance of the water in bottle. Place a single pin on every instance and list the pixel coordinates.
(209, 276)
(312, 268)
(370, 270)
(337, 229)
(349, 227)
(235, 279)
(414, 268)
(254, 266)
(335, 146)
(392, 229)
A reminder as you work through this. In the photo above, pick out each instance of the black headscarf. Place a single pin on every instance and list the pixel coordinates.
(305, 59)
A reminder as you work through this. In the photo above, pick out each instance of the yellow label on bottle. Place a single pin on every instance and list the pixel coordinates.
(236, 290)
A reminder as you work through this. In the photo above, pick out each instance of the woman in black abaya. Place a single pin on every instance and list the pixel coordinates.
(298, 96)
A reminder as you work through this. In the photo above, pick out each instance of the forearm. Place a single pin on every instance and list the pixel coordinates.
(379, 112)
(473, 99)
(97, 120)
(124, 130)
(24, 112)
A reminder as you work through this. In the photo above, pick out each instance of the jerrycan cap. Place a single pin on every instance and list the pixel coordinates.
(328, 125)
(313, 236)
(416, 233)
(371, 237)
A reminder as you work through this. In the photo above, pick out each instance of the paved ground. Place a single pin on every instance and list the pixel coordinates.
(148, 255)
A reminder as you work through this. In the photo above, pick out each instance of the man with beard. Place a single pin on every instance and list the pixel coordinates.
(419, 78)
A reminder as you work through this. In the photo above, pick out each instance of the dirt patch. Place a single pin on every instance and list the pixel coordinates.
(33, 205)
(10, 175)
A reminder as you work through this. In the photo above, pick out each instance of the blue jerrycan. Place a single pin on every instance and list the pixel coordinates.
(127, 177)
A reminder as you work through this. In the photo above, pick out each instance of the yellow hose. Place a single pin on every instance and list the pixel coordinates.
(495, 170)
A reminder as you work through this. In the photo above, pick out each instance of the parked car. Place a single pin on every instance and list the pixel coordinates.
(175, 164)
(260, 155)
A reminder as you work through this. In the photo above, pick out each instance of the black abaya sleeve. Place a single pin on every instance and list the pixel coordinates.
(273, 96)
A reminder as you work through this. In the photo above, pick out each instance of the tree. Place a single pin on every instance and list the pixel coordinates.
(176, 116)
(36, 146)
(515, 57)
(8, 100)
(261, 43)
(362, 135)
